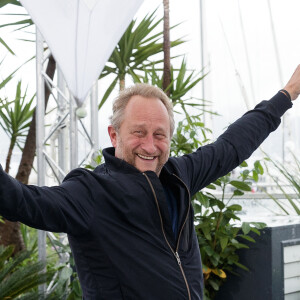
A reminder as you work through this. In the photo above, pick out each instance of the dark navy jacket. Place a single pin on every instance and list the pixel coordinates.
(117, 218)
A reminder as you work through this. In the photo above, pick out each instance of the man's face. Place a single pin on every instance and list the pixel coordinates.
(143, 139)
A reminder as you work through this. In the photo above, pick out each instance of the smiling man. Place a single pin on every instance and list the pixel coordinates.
(142, 137)
(130, 221)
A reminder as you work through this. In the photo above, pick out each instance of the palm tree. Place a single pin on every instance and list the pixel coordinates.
(135, 52)
(15, 120)
(17, 278)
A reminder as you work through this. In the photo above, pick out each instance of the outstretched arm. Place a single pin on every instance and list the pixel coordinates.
(65, 208)
(239, 141)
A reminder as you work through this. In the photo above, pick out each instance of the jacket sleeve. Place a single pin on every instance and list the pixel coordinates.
(65, 208)
(235, 145)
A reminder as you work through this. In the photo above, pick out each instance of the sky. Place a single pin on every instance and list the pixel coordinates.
(242, 53)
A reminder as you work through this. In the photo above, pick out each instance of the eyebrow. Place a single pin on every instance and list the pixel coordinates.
(143, 126)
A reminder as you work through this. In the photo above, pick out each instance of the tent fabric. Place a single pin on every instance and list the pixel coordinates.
(81, 35)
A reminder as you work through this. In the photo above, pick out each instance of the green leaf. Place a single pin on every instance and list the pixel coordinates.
(12, 2)
(6, 46)
(208, 250)
(204, 200)
(258, 167)
(255, 175)
(197, 207)
(241, 266)
(255, 230)
(259, 225)
(213, 284)
(238, 193)
(248, 238)
(206, 232)
(223, 242)
(235, 207)
(244, 164)
(108, 92)
(211, 187)
(240, 185)
(246, 227)
(66, 273)
(217, 182)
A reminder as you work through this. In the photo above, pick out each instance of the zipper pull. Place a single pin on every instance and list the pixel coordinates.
(178, 258)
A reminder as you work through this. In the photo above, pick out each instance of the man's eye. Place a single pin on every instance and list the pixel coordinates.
(138, 132)
(160, 135)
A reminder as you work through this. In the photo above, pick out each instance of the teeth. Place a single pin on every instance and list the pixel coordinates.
(146, 157)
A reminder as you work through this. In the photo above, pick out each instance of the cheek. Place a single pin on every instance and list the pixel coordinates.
(164, 147)
(132, 142)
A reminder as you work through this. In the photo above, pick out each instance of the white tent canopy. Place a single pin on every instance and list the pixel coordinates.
(81, 35)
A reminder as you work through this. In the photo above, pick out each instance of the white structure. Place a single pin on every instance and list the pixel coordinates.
(81, 35)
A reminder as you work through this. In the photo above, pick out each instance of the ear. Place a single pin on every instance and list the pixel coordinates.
(113, 135)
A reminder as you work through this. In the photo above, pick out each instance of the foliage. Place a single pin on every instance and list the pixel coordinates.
(138, 45)
(290, 174)
(8, 78)
(186, 136)
(66, 286)
(19, 275)
(182, 82)
(23, 23)
(218, 228)
(96, 161)
(16, 118)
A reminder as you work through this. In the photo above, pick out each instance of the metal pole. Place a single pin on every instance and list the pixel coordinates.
(40, 112)
(73, 134)
(94, 117)
(202, 54)
(61, 105)
(61, 143)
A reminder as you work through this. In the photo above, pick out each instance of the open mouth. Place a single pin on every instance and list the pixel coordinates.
(146, 157)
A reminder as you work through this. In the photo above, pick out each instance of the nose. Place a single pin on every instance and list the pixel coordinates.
(148, 144)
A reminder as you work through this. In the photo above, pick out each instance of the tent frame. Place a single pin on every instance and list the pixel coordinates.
(65, 124)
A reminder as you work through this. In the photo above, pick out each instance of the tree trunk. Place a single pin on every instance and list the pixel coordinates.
(10, 231)
(122, 83)
(30, 144)
(167, 59)
(9, 154)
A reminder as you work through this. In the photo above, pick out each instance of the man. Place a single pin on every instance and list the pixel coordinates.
(130, 222)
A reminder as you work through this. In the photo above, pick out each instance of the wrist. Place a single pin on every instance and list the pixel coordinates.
(286, 93)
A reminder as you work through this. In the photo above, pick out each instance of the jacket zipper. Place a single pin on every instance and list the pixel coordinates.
(175, 253)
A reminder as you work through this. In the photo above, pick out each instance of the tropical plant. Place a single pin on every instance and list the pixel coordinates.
(19, 275)
(8, 78)
(182, 82)
(288, 183)
(66, 286)
(24, 23)
(15, 120)
(2, 4)
(134, 52)
(219, 230)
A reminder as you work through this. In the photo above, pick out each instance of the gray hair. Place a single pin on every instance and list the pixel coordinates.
(144, 90)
